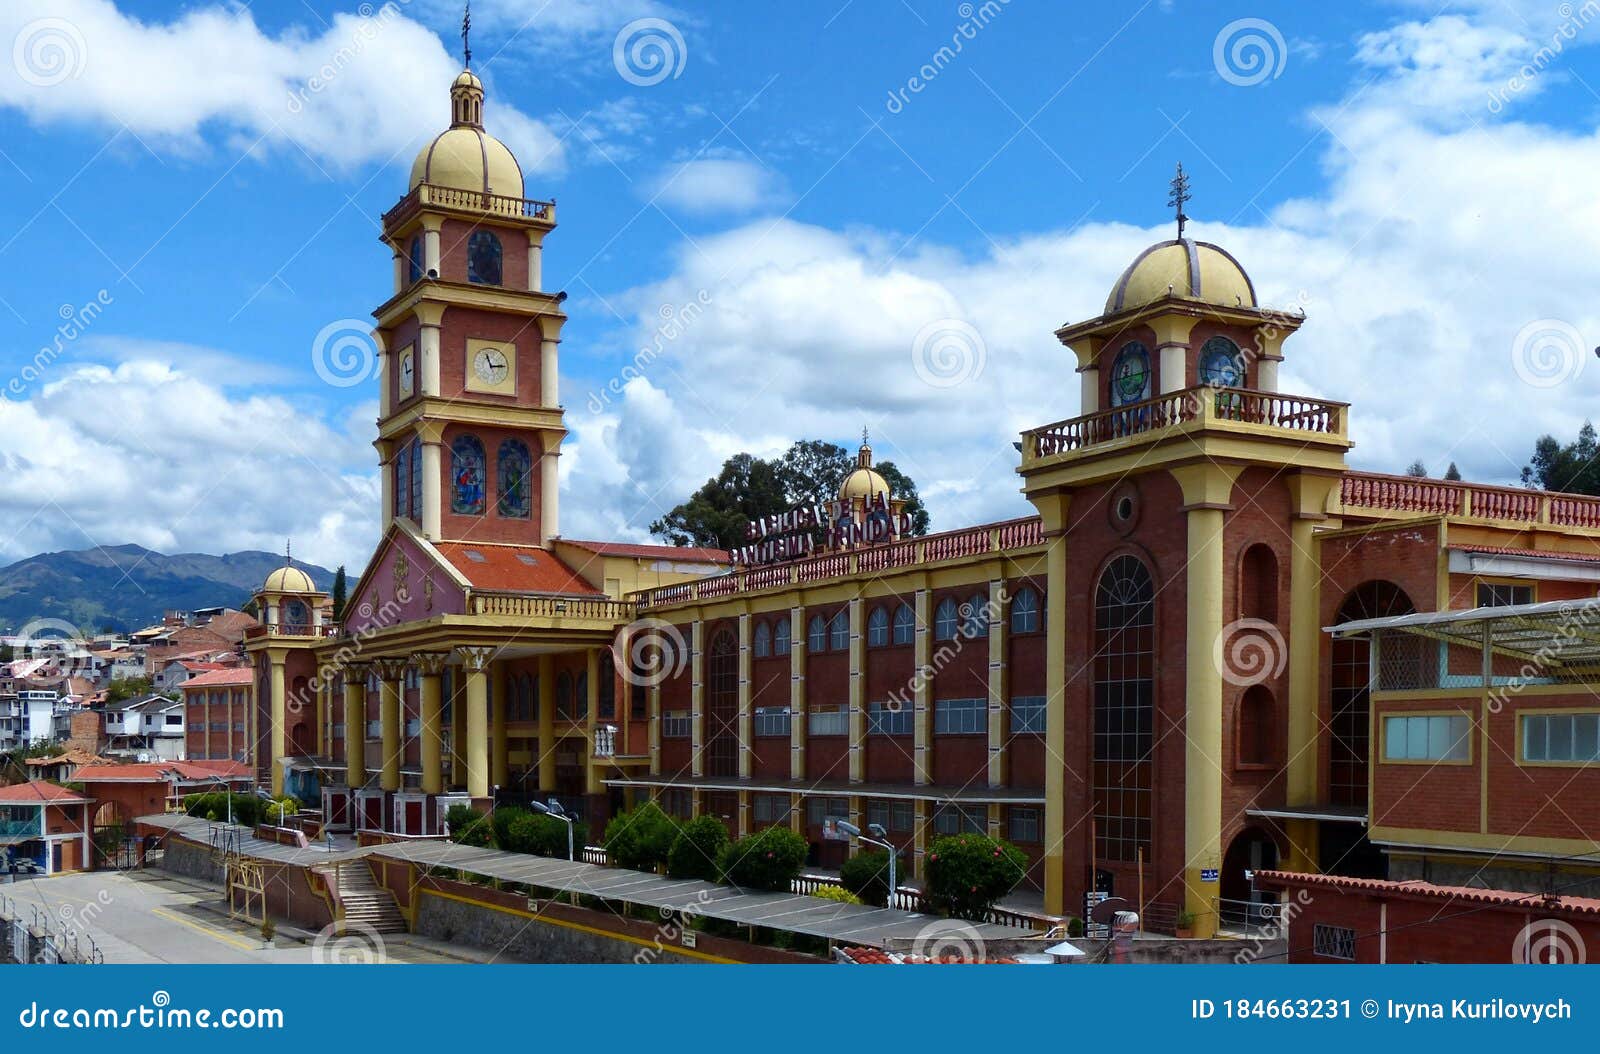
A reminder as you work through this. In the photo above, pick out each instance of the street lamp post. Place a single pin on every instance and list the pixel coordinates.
(554, 809)
(881, 840)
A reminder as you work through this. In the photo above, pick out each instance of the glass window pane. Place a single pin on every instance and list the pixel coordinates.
(1586, 737)
(1560, 737)
(1533, 748)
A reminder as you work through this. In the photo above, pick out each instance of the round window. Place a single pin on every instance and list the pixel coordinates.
(1130, 375)
(1222, 364)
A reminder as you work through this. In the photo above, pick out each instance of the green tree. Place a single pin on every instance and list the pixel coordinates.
(867, 876)
(1417, 468)
(811, 471)
(122, 688)
(1452, 473)
(1571, 467)
(769, 860)
(902, 486)
(967, 873)
(641, 838)
(697, 849)
(341, 591)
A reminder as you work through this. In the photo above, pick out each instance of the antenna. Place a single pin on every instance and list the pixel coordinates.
(1178, 196)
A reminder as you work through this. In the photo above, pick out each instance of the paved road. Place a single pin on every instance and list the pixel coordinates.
(156, 917)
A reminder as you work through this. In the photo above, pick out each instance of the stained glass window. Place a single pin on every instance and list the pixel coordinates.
(1222, 363)
(513, 466)
(466, 476)
(1124, 709)
(414, 259)
(483, 258)
(1130, 375)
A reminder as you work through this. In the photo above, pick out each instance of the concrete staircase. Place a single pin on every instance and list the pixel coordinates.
(365, 902)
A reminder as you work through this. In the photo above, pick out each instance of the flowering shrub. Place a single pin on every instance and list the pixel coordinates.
(641, 838)
(838, 893)
(967, 873)
(768, 860)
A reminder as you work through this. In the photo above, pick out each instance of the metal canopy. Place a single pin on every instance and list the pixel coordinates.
(1570, 627)
(813, 916)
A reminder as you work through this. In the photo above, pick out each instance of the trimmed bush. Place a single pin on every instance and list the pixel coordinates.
(768, 860)
(867, 876)
(837, 893)
(697, 849)
(967, 873)
(467, 826)
(641, 838)
(248, 810)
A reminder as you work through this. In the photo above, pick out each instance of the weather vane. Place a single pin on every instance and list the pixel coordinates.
(1179, 195)
(288, 561)
(466, 27)
(863, 435)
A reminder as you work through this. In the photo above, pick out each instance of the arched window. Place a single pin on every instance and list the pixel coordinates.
(1222, 364)
(1124, 709)
(905, 624)
(877, 628)
(1350, 700)
(780, 636)
(1255, 727)
(414, 259)
(414, 459)
(817, 634)
(763, 640)
(1025, 611)
(580, 694)
(608, 686)
(295, 613)
(1258, 583)
(944, 620)
(512, 467)
(466, 476)
(1130, 375)
(839, 631)
(402, 482)
(483, 258)
(975, 616)
(563, 695)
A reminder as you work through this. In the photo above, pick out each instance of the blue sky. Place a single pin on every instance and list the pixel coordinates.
(1392, 169)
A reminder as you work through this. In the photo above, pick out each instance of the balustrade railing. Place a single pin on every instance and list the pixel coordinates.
(602, 609)
(473, 201)
(1204, 405)
(1432, 497)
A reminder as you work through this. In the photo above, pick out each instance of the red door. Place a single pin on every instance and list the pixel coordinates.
(413, 817)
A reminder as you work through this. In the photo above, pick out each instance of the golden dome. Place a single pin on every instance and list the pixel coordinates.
(1189, 269)
(464, 156)
(288, 580)
(863, 480)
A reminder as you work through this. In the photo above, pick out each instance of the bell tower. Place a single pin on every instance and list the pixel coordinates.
(469, 421)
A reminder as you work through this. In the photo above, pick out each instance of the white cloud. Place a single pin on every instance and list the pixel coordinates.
(709, 185)
(143, 452)
(360, 89)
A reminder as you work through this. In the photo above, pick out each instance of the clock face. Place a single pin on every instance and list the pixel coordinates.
(491, 365)
(408, 373)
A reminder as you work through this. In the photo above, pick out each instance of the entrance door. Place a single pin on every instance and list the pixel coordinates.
(1252, 850)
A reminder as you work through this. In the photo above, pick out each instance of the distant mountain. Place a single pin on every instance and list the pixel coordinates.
(128, 586)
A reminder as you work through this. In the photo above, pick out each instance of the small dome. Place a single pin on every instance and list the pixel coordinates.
(467, 79)
(288, 580)
(1189, 269)
(863, 483)
(464, 156)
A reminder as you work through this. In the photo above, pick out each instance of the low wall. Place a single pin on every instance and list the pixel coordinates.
(289, 887)
(560, 933)
(191, 860)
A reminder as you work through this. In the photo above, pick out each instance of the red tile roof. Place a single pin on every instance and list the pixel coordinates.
(222, 675)
(1427, 891)
(39, 791)
(691, 554)
(1537, 554)
(160, 771)
(515, 568)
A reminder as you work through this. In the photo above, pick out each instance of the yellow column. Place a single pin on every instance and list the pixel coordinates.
(1309, 495)
(744, 815)
(458, 729)
(797, 698)
(593, 771)
(858, 695)
(547, 723)
(321, 743)
(919, 838)
(475, 662)
(697, 696)
(276, 658)
(997, 683)
(746, 723)
(501, 768)
(922, 706)
(653, 701)
(1206, 491)
(392, 682)
(1055, 715)
(431, 666)
(355, 726)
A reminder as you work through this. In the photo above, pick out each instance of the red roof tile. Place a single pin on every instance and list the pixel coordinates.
(1428, 891)
(688, 553)
(161, 771)
(39, 791)
(222, 675)
(515, 568)
(1536, 554)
